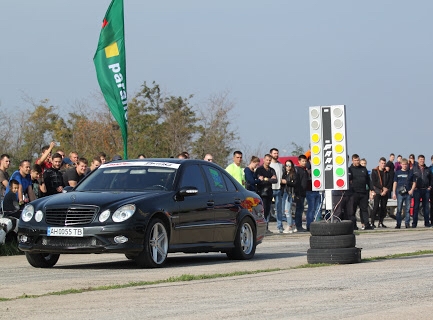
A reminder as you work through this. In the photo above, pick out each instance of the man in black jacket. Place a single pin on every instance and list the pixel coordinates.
(360, 186)
(423, 183)
(381, 181)
(53, 178)
(301, 191)
(267, 177)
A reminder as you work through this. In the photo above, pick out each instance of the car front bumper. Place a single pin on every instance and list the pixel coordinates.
(121, 238)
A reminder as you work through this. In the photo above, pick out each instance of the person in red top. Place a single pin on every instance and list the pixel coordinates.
(45, 160)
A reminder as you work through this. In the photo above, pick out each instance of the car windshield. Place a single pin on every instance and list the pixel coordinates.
(129, 178)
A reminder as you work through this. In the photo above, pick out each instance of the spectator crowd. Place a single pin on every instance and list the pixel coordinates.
(289, 187)
(408, 181)
(50, 173)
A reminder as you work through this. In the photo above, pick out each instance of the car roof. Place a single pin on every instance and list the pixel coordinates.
(170, 160)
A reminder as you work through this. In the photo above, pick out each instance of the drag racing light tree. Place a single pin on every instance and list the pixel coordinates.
(328, 148)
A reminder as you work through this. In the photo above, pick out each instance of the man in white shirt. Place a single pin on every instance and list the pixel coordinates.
(276, 188)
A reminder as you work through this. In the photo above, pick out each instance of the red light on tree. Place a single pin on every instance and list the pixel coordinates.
(340, 183)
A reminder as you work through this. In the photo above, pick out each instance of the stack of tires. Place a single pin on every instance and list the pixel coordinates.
(333, 243)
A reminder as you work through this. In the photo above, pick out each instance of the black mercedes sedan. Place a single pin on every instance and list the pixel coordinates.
(145, 209)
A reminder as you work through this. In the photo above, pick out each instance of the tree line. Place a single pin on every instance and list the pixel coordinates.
(159, 125)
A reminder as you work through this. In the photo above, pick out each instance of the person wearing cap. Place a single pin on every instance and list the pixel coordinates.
(116, 157)
(68, 162)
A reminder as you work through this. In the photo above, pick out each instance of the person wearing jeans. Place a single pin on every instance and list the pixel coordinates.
(403, 199)
(289, 183)
(314, 200)
(403, 187)
(422, 179)
(278, 202)
(421, 195)
(276, 188)
(287, 202)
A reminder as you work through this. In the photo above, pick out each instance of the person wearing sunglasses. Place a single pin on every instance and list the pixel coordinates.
(289, 183)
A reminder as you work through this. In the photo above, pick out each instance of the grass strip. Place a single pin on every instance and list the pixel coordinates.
(181, 278)
(190, 277)
(400, 255)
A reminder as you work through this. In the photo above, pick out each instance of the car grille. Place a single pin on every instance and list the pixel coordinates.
(70, 242)
(70, 216)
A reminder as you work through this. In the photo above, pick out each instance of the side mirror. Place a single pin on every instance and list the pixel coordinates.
(185, 192)
(67, 189)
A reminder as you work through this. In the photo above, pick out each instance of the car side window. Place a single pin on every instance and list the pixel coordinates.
(193, 177)
(215, 178)
(230, 185)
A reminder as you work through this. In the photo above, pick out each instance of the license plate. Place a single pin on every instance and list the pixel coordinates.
(65, 232)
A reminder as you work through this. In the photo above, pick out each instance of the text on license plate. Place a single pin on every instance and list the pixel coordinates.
(64, 232)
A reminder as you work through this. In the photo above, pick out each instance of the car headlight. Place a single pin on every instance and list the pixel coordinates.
(27, 213)
(123, 213)
(104, 216)
(39, 215)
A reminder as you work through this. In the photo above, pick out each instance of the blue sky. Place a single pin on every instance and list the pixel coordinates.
(276, 58)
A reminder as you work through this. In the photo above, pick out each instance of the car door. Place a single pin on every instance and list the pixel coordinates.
(194, 221)
(226, 200)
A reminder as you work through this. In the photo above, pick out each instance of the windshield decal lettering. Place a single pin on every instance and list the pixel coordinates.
(141, 163)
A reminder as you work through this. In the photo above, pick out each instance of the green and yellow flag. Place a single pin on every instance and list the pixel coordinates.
(110, 64)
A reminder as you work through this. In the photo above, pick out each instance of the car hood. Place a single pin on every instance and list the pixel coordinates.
(95, 198)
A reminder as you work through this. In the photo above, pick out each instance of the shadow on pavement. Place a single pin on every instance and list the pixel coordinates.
(176, 261)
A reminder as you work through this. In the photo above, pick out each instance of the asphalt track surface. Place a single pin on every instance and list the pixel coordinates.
(398, 288)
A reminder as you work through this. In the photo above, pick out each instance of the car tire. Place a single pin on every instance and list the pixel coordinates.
(155, 249)
(332, 242)
(245, 241)
(42, 260)
(324, 228)
(334, 256)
